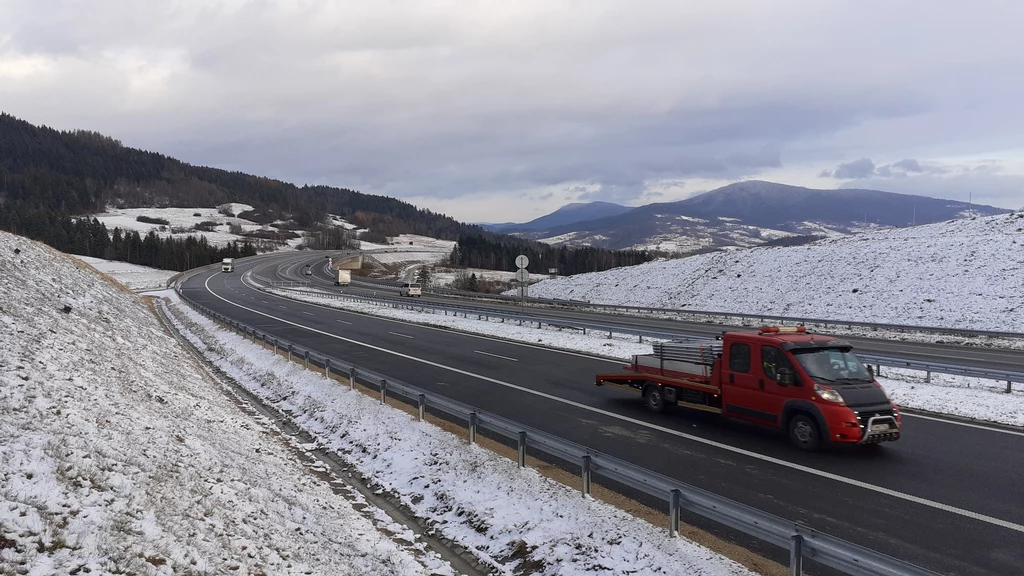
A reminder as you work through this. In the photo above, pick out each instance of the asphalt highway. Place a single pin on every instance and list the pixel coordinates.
(947, 496)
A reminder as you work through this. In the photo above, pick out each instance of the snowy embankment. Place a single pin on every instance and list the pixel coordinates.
(133, 276)
(960, 274)
(975, 398)
(517, 520)
(118, 454)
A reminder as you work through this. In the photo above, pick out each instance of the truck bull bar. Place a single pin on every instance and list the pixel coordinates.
(872, 436)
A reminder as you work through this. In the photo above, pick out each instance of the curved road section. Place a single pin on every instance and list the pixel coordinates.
(947, 496)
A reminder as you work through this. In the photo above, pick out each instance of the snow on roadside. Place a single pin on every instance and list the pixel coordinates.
(516, 519)
(119, 455)
(133, 276)
(947, 393)
(963, 273)
(976, 398)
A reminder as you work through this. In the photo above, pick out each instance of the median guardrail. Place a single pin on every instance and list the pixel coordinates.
(801, 541)
(487, 313)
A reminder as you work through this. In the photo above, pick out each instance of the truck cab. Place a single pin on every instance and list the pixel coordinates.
(811, 386)
(227, 265)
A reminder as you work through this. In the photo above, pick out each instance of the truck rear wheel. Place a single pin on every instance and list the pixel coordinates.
(654, 397)
(804, 432)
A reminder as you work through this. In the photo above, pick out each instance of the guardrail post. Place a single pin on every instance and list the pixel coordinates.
(352, 378)
(928, 377)
(521, 450)
(796, 556)
(878, 370)
(383, 391)
(472, 427)
(253, 335)
(673, 512)
(327, 368)
(306, 358)
(585, 475)
(421, 405)
(275, 347)
(289, 352)
(1009, 387)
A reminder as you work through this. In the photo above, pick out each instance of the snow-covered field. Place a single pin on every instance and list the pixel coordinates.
(962, 273)
(518, 520)
(133, 276)
(947, 394)
(120, 456)
(184, 219)
(407, 252)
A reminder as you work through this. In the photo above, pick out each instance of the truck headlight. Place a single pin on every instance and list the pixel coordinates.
(828, 394)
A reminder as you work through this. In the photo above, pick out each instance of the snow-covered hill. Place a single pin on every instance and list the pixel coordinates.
(119, 455)
(962, 273)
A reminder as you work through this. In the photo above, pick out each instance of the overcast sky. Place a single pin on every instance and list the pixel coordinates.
(497, 111)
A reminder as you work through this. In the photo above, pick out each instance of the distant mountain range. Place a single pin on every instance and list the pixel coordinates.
(564, 216)
(742, 214)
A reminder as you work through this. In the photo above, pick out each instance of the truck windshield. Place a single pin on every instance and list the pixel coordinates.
(832, 366)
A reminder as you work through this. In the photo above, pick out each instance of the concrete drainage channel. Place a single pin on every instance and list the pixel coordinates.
(461, 559)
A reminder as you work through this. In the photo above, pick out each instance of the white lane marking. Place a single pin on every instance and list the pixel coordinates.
(495, 355)
(344, 322)
(967, 424)
(264, 301)
(307, 313)
(279, 306)
(800, 467)
(402, 335)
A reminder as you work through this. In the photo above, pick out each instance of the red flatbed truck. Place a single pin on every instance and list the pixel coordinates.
(809, 385)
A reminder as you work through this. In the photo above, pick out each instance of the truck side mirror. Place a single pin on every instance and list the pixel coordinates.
(785, 376)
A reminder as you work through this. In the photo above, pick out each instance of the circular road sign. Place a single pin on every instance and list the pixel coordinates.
(522, 275)
(522, 261)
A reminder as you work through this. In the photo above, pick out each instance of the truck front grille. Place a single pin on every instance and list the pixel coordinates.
(864, 417)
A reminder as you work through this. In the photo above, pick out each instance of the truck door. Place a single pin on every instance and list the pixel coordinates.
(738, 378)
(769, 397)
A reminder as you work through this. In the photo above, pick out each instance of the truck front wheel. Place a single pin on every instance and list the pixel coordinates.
(803, 431)
(654, 397)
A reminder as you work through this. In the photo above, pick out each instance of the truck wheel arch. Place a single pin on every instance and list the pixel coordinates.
(794, 407)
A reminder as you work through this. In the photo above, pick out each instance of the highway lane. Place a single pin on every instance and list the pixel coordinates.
(938, 352)
(893, 501)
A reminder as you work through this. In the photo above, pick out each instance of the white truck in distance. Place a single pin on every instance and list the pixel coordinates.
(227, 265)
(344, 278)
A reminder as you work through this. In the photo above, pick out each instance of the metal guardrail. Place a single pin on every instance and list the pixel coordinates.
(802, 542)
(928, 367)
(487, 313)
(718, 317)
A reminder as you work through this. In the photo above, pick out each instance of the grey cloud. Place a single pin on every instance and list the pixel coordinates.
(415, 99)
(865, 168)
(908, 165)
(860, 168)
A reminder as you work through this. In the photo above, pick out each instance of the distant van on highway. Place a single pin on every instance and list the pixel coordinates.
(408, 289)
